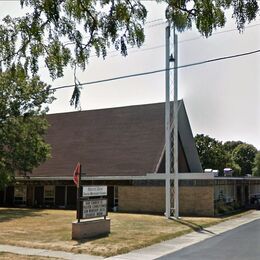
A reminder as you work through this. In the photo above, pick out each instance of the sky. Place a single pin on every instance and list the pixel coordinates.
(222, 98)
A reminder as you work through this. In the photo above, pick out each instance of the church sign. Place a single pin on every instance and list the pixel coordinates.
(94, 202)
(94, 208)
(94, 191)
(91, 203)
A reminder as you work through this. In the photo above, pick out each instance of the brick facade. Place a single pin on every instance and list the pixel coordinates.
(141, 199)
(195, 200)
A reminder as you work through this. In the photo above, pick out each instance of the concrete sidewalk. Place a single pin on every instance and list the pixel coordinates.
(49, 253)
(173, 245)
(148, 253)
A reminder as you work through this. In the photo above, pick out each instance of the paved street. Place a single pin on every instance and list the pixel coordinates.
(234, 239)
(242, 243)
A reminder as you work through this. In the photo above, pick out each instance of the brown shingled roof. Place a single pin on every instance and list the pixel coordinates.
(125, 141)
(115, 141)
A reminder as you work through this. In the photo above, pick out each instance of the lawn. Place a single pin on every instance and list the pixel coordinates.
(51, 229)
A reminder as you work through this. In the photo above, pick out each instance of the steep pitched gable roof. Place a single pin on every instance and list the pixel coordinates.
(187, 140)
(108, 142)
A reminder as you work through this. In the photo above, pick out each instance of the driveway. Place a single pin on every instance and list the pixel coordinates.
(242, 243)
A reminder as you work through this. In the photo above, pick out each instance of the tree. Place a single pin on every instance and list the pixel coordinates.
(211, 152)
(22, 123)
(256, 169)
(64, 32)
(235, 167)
(229, 146)
(244, 155)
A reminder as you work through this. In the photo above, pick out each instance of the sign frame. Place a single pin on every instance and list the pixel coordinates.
(105, 213)
(94, 191)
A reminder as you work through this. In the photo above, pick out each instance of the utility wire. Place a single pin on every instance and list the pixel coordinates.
(154, 25)
(160, 70)
(136, 49)
(150, 26)
(132, 49)
(215, 33)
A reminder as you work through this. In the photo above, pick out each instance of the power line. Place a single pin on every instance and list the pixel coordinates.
(149, 26)
(182, 41)
(154, 25)
(215, 33)
(161, 70)
(155, 20)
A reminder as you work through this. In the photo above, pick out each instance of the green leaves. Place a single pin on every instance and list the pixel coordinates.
(57, 59)
(211, 152)
(232, 154)
(23, 104)
(8, 38)
(256, 169)
(244, 11)
(244, 155)
(65, 32)
(75, 96)
(208, 15)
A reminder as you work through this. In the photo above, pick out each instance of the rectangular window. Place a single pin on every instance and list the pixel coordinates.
(49, 194)
(115, 196)
(20, 195)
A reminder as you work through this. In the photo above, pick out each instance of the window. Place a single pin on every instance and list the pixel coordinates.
(49, 194)
(115, 196)
(20, 195)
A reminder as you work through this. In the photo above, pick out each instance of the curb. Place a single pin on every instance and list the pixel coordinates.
(148, 253)
(170, 246)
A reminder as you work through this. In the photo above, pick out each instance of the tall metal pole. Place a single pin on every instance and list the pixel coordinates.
(175, 133)
(167, 125)
(79, 195)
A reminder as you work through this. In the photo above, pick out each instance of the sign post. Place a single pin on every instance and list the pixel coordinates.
(77, 181)
(78, 194)
(91, 209)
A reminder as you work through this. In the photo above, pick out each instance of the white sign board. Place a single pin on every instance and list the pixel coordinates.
(92, 191)
(94, 208)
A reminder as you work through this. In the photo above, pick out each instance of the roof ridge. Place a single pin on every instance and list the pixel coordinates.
(110, 108)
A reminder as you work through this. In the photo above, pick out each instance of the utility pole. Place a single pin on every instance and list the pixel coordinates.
(175, 133)
(167, 125)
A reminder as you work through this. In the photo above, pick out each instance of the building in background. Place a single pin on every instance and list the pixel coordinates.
(118, 147)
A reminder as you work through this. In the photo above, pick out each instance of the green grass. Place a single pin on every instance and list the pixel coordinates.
(51, 229)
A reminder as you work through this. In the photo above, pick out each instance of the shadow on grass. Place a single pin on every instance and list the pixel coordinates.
(232, 213)
(82, 241)
(193, 226)
(8, 214)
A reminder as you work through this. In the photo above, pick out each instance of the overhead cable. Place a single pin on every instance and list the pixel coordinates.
(160, 70)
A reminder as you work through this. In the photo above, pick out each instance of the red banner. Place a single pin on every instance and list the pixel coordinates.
(76, 174)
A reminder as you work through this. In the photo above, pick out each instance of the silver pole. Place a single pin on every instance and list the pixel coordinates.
(175, 133)
(167, 125)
